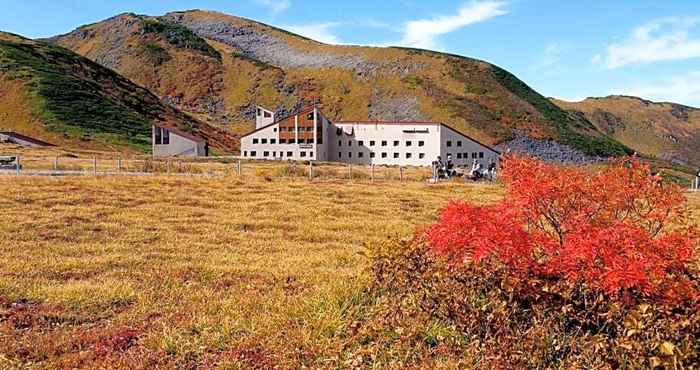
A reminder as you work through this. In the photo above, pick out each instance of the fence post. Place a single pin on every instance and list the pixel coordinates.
(311, 171)
(18, 165)
(119, 164)
(400, 174)
(167, 166)
(94, 166)
(55, 163)
(238, 168)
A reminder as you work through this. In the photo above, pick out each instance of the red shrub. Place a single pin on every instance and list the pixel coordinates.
(620, 230)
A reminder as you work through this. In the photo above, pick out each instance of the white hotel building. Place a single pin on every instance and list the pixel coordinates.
(309, 135)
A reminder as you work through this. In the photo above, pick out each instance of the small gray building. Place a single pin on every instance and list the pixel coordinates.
(172, 142)
(19, 139)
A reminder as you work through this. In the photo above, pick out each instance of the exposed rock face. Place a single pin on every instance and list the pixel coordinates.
(402, 108)
(265, 47)
(546, 150)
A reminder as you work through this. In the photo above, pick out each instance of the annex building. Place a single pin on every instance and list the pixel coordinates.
(309, 135)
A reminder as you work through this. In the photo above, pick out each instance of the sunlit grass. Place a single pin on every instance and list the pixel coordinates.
(206, 270)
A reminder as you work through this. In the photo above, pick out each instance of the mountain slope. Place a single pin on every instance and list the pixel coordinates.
(665, 130)
(62, 97)
(252, 63)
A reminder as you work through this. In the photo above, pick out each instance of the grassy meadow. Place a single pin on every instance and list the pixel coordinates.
(218, 272)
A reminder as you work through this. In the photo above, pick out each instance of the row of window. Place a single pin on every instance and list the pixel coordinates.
(291, 129)
(409, 155)
(383, 143)
(283, 141)
(266, 154)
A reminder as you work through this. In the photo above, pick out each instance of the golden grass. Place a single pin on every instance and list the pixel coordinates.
(205, 270)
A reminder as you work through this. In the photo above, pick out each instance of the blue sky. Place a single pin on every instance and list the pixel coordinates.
(565, 49)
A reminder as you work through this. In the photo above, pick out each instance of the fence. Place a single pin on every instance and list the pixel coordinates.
(213, 166)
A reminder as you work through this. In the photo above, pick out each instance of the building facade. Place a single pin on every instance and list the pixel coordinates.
(172, 142)
(311, 136)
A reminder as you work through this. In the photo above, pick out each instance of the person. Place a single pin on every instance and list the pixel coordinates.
(475, 173)
(492, 170)
(697, 180)
(440, 168)
(449, 167)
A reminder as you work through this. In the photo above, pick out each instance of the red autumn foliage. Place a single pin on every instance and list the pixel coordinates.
(620, 231)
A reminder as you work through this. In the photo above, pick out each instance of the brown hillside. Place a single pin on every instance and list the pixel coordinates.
(257, 64)
(57, 95)
(665, 130)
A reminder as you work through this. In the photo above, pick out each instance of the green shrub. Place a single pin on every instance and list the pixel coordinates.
(180, 36)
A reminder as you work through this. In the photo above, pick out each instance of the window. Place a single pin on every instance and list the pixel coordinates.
(283, 141)
(166, 137)
(481, 154)
(340, 142)
(159, 135)
(310, 116)
(349, 143)
(384, 143)
(396, 143)
(273, 141)
(372, 143)
(421, 143)
(449, 143)
(245, 153)
(459, 155)
(253, 153)
(291, 141)
(259, 112)
(384, 155)
(340, 155)
(408, 143)
(459, 143)
(268, 114)
(274, 154)
(309, 141)
(303, 154)
(266, 154)
(263, 141)
(372, 155)
(421, 155)
(396, 155)
(349, 154)
(408, 155)
(360, 155)
(255, 141)
(274, 129)
(311, 154)
(361, 143)
(290, 154)
(474, 155)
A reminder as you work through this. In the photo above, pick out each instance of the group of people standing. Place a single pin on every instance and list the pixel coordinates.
(447, 170)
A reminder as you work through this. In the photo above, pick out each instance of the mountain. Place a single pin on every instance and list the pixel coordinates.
(218, 67)
(56, 95)
(665, 130)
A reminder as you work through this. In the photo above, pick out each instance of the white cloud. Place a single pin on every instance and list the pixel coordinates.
(317, 31)
(683, 89)
(551, 56)
(275, 6)
(659, 40)
(423, 33)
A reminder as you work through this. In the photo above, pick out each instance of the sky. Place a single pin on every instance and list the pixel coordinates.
(564, 49)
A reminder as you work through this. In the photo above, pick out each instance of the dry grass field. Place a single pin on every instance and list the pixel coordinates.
(220, 272)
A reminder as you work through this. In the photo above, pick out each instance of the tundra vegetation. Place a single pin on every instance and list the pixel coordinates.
(560, 267)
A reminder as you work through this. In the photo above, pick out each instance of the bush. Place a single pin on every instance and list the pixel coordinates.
(621, 231)
(425, 312)
(570, 270)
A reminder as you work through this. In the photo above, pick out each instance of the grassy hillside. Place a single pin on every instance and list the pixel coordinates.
(665, 130)
(258, 64)
(54, 93)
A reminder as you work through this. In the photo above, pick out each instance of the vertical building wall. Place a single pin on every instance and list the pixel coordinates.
(178, 146)
(263, 117)
(464, 150)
